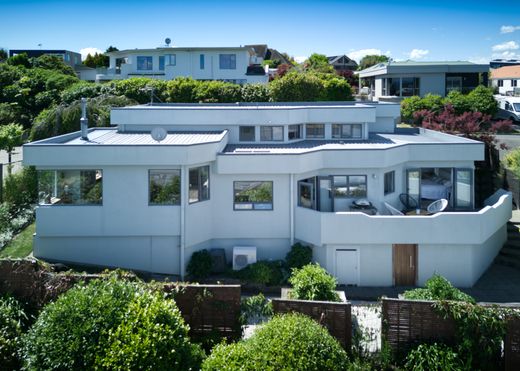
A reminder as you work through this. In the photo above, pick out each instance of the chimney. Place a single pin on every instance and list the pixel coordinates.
(84, 121)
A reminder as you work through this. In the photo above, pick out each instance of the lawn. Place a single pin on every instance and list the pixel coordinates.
(21, 245)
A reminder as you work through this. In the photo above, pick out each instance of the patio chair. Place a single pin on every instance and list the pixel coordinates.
(392, 210)
(408, 202)
(437, 206)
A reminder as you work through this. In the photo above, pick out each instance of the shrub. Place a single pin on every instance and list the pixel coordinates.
(151, 336)
(312, 282)
(200, 264)
(409, 106)
(287, 342)
(259, 273)
(481, 100)
(72, 332)
(431, 357)
(336, 89)
(84, 89)
(21, 188)
(296, 87)
(12, 324)
(458, 101)
(512, 161)
(298, 256)
(137, 88)
(255, 309)
(181, 90)
(255, 93)
(217, 92)
(438, 288)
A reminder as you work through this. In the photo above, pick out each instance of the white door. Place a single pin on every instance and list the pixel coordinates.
(347, 266)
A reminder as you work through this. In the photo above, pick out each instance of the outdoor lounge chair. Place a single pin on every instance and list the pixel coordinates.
(392, 210)
(437, 206)
(408, 202)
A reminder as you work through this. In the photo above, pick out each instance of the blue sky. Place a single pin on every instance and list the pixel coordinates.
(419, 30)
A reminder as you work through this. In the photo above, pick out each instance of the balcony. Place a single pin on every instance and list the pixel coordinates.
(452, 228)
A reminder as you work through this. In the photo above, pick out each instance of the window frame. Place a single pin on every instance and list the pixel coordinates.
(391, 188)
(170, 59)
(56, 171)
(149, 63)
(202, 62)
(240, 139)
(500, 83)
(252, 202)
(299, 131)
(200, 185)
(264, 127)
(347, 186)
(162, 64)
(313, 136)
(341, 133)
(150, 203)
(230, 64)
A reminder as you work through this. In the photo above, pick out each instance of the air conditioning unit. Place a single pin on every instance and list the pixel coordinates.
(243, 256)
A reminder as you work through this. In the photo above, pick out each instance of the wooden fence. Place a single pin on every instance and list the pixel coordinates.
(336, 317)
(210, 309)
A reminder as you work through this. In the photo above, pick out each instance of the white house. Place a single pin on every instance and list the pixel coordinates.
(393, 81)
(231, 64)
(506, 80)
(265, 175)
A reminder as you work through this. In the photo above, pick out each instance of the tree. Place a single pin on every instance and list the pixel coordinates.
(3, 55)
(319, 63)
(53, 62)
(111, 49)
(371, 60)
(96, 60)
(10, 137)
(19, 60)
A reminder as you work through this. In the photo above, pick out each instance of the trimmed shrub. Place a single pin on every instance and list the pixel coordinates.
(12, 323)
(336, 89)
(137, 88)
(259, 273)
(287, 342)
(255, 93)
(152, 336)
(432, 357)
(298, 256)
(181, 90)
(296, 87)
(255, 309)
(481, 100)
(200, 264)
(217, 92)
(458, 101)
(438, 288)
(512, 161)
(312, 282)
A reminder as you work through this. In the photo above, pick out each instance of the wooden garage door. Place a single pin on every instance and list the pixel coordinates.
(405, 264)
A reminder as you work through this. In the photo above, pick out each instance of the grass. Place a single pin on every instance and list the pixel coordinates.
(21, 245)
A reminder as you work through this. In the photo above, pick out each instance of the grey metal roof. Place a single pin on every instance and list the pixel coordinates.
(113, 137)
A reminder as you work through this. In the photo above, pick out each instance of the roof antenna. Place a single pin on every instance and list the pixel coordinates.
(152, 94)
(84, 121)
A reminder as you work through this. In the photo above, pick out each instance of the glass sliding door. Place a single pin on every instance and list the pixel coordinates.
(413, 183)
(325, 194)
(306, 194)
(463, 188)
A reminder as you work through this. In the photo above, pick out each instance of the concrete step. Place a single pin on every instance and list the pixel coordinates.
(508, 261)
(513, 236)
(514, 244)
(508, 251)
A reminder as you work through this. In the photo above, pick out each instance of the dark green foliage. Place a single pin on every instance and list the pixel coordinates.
(96, 60)
(9, 112)
(371, 60)
(298, 256)
(12, 324)
(296, 87)
(217, 92)
(151, 336)
(312, 282)
(264, 272)
(21, 188)
(84, 89)
(433, 357)
(458, 101)
(181, 90)
(438, 288)
(287, 342)
(53, 62)
(481, 100)
(255, 309)
(200, 264)
(139, 89)
(19, 60)
(337, 89)
(319, 63)
(3, 54)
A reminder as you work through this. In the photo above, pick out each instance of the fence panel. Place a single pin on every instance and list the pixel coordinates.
(336, 317)
(512, 344)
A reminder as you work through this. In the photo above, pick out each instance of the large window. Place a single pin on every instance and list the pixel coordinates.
(165, 187)
(247, 134)
(144, 63)
(70, 187)
(161, 63)
(295, 132)
(350, 186)
(253, 195)
(453, 83)
(389, 182)
(347, 131)
(409, 86)
(401, 86)
(315, 130)
(170, 59)
(228, 61)
(271, 133)
(199, 184)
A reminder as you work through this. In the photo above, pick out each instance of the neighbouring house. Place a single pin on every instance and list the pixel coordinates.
(70, 58)
(342, 63)
(172, 179)
(393, 81)
(497, 63)
(263, 53)
(506, 79)
(231, 64)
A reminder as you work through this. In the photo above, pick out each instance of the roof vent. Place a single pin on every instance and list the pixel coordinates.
(84, 121)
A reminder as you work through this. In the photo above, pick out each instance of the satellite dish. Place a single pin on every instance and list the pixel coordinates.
(158, 134)
(167, 41)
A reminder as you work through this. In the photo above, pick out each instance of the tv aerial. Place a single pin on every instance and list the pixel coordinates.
(158, 134)
(167, 41)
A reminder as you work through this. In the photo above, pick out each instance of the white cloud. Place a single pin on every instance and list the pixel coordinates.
(509, 29)
(90, 50)
(479, 60)
(506, 55)
(300, 59)
(508, 45)
(357, 55)
(418, 53)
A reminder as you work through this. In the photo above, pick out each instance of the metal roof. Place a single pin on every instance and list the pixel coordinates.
(113, 137)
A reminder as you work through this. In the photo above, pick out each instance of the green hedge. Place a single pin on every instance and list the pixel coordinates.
(438, 288)
(12, 324)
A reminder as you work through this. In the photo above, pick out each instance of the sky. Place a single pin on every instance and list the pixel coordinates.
(418, 30)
